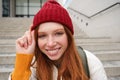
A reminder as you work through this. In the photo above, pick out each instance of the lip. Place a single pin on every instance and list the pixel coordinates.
(53, 52)
(52, 49)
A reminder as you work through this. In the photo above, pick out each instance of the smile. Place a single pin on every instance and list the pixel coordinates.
(53, 52)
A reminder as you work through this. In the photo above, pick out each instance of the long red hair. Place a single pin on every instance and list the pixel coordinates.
(71, 67)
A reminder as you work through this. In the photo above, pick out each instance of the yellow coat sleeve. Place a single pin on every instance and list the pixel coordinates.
(22, 67)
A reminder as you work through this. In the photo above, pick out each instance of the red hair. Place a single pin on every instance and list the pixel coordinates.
(71, 67)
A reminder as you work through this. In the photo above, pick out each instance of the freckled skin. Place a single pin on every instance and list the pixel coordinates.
(52, 40)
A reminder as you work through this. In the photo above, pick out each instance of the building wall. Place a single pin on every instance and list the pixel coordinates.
(12, 8)
(0, 8)
(106, 24)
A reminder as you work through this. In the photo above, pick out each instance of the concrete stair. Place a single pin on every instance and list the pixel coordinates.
(12, 28)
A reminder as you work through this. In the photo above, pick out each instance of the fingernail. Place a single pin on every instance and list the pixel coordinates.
(25, 46)
(30, 42)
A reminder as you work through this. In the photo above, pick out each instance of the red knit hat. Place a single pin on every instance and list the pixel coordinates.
(52, 11)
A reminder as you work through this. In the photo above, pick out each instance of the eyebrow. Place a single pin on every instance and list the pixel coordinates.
(59, 29)
(54, 30)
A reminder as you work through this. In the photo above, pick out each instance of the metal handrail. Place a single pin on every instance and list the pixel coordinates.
(95, 13)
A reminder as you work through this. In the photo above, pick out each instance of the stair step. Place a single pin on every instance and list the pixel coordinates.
(10, 37)
(110, 47)
(112, 68)
(7, 48)
(15, 23)
(92, 40)
(98, 43)
(5, 75)
(6, 68)
(85, 42)
(13, 33)
(100, 47)
(114, 78)
(7, 59)
(108, 55)
(7, 41)
(5, 71)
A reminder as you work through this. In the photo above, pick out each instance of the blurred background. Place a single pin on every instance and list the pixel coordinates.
(96, 24)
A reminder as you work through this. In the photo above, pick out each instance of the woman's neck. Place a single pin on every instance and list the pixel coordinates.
(57, 63)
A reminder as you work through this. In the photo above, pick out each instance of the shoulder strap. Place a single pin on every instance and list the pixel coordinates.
(84, 60)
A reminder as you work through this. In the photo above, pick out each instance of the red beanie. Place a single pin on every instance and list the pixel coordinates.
(52, 11)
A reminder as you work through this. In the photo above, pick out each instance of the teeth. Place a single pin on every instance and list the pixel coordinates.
(52, 52)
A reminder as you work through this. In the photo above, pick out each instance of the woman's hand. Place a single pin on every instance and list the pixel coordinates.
(26, 43)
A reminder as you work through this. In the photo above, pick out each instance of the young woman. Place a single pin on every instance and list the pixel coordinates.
(50, 40)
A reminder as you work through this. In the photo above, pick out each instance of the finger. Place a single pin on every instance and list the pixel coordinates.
(33, 36)
(25, 40)
(29, 37)
(20, 42)
(30, 28)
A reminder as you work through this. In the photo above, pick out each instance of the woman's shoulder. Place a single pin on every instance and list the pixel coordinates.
(92, 59)
(96, 67)
(91, 56)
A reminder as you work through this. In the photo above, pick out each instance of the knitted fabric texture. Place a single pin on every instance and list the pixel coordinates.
(52, 11)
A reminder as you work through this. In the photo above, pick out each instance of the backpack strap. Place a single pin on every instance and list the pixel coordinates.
(84, 60)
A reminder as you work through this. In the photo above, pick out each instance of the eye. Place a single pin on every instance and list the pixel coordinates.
(59, 33)
(42, 36)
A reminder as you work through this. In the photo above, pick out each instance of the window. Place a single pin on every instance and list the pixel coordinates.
(5, 8)
(27, 8)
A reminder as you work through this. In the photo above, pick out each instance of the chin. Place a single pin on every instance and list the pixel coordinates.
(53, 59)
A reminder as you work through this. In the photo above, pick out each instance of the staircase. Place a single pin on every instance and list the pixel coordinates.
(12, 28)
(107, 51)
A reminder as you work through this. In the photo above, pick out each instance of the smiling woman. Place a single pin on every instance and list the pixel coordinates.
(50, 40)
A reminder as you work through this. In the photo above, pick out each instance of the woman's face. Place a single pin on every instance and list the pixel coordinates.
(52, 40)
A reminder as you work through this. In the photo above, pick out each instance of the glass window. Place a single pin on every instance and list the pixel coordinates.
(28, 7)
(21, 8)
(21, 3)
(5, 8)
(34, 6)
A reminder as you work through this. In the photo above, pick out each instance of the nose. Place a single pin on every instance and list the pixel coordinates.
(51, 42)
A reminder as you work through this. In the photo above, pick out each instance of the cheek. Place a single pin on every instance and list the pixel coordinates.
(64, 41)
(40, 44)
